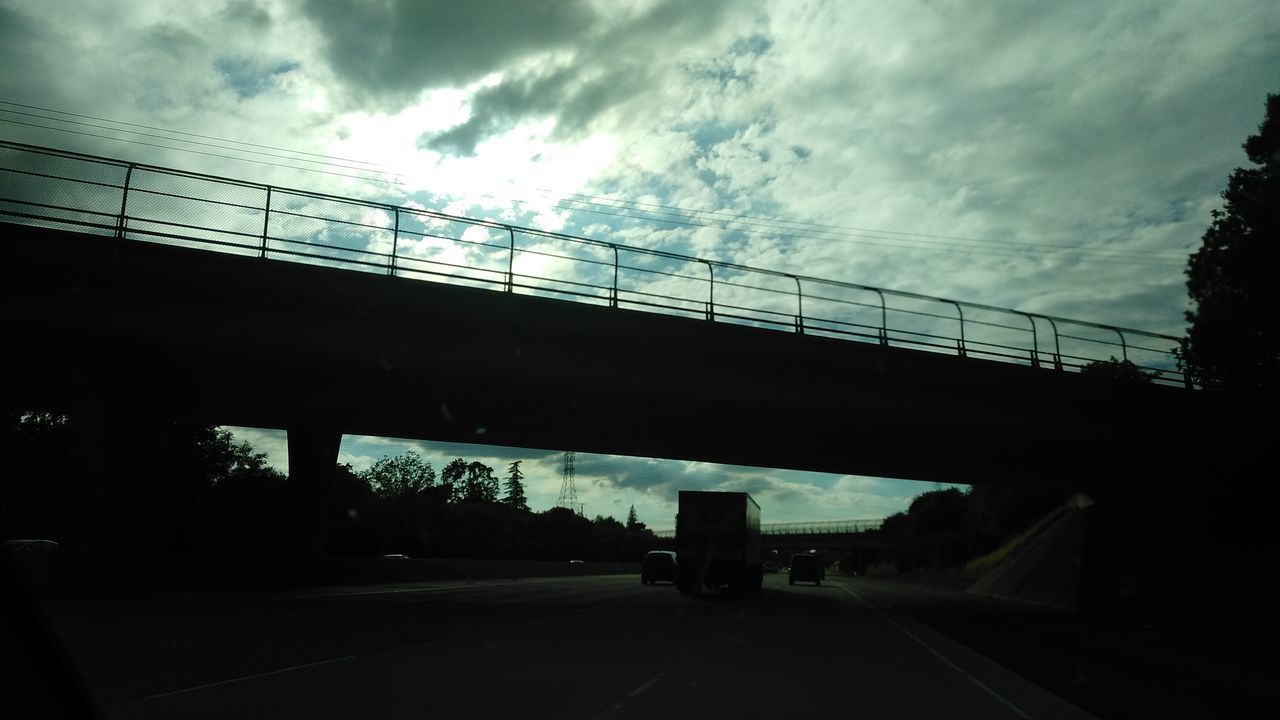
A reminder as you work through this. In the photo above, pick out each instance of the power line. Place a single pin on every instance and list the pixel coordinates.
(199, 152)
(183, 132)
(598, 205)
(871, 241)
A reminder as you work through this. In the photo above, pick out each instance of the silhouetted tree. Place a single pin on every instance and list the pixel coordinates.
(514, 497)
(563, 534)
(404, 474)
(481, 485)
(1121, 370)
(451, 477)
(632, 522)
(1231, 343)
(354, 527)
(35, 451)
(246, 513)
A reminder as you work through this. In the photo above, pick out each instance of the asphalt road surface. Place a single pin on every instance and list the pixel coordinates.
(584, 647)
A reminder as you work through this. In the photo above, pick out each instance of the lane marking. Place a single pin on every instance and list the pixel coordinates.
(239, 679)
(434, 588)
(1016, 710)
(645, 686)
(344, 658)
(997, 696)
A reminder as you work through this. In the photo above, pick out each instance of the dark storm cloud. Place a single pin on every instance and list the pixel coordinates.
(642, 474)
(587, 62)
(389, 51)
(664, 478)
(490, 452)
(563, 93)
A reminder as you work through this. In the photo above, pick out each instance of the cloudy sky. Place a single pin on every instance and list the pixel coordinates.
(1057, 158)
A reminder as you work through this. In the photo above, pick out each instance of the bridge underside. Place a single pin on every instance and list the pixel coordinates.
(182, 334)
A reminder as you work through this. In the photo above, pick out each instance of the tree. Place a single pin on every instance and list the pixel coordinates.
(1231, 342)
(405, 474)
(481, 484)
(515, 498)
(451, 478)
(1118, 370)
(35, 448)
(633, 524)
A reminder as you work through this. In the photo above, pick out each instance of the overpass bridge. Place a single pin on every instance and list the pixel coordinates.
(136, 295)
(834, 538)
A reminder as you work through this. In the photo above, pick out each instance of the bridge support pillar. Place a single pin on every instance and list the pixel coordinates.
(99, 482)
(313, 459)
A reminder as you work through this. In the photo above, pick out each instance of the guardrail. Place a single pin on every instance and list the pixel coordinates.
(54, 188)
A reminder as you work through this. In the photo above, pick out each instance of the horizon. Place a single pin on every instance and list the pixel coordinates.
(608, 485)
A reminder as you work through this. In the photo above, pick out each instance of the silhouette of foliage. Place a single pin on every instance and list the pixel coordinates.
(35, 450)
(203, 491)
(1231, 343)
(514, 497)
(480, 485)
(451, 477)
(1118, 370)
(404, 474)
(945, 528)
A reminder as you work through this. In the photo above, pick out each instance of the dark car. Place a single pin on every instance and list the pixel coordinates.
(658, 565)
(807, 568)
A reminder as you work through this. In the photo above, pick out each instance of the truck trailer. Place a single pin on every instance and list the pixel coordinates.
(717, 542)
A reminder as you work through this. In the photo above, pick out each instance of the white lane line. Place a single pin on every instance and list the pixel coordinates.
(1016, 710)
(239, 679)
(433, 588)
(645, 686)
(997, 696)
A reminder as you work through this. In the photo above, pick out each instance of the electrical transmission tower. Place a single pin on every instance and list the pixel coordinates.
(568, 489)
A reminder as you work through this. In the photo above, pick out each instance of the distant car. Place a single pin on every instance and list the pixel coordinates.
(575, 562)
(807, 568)
(395, 556)
(658, 565)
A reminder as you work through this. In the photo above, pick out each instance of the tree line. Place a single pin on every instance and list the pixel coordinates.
(208, 493)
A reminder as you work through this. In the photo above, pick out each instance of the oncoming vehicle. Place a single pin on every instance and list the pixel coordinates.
(807, 568)
(658, 565)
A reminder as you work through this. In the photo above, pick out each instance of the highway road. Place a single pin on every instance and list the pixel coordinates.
(581, 647)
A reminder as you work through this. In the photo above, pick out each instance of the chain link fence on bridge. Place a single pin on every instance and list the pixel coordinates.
(819, 527)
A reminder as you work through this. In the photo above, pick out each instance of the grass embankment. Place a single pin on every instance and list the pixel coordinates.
(972, 572)
(981, 566)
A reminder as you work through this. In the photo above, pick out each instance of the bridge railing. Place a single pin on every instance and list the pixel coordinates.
(54, 188)
(822, 527)
(819, 527)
